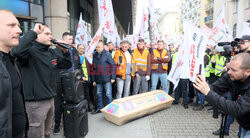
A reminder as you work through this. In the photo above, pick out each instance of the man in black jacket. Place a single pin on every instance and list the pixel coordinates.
(237, 81)
(12, 111)
(39, 63)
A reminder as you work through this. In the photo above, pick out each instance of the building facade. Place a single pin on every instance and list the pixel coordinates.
(63, 15)
(191, 10)
(236, 12)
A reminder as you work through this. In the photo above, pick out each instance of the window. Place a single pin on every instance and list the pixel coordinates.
(37, 1)
(248, 3)
(234, 30)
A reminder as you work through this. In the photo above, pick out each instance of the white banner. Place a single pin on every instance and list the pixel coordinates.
(153, 21)
(221, 32)
(106, 14)
(209, 33)
(93, 43)
(135, 40)
(197, 41)
(175, 72)
(82, 35)
(190, 56)
(144, 24)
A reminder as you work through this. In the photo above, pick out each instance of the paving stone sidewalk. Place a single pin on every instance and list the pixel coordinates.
(186, 123)
(174, 122)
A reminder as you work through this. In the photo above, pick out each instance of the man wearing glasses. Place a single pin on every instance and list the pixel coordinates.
(244, 43)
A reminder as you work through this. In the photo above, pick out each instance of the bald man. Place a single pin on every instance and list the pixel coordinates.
(12, 112)
(39, 65)
(237, 81)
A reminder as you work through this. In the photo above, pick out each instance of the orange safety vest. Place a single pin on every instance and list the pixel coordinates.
(156, 55)
(139, 61)
(121, 69)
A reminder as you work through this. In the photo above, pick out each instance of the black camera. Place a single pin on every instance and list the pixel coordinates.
(233, 43)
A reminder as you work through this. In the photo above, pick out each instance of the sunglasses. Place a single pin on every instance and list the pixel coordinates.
(243, 42)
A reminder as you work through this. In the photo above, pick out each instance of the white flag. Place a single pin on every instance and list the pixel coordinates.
(135, 40)
(209, 33)
(82, 35)
(197, 41)
(106, 14)
(144, 24)
(153, 21)
(93, 43)
(190, 55)
(221, 32)
(175, 72)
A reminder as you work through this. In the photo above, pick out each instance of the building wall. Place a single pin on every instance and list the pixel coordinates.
(207, 13)
(190, 10)
(231, 15)
(56, 18)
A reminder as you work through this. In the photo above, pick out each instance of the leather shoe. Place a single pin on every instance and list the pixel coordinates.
(174, 103)
(96, 112)
(217, 132)
(89, 109)
(198, 108)
(185, 106)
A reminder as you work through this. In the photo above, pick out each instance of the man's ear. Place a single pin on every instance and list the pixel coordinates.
(248, 72)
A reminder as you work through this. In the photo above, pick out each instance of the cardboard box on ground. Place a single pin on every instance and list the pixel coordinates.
(123, 110)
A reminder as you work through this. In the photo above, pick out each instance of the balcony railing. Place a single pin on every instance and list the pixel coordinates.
(208, 18)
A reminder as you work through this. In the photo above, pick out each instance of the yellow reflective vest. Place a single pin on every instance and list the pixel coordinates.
(84, 68)
(139, 61)
(207, 68)
(174, 57)
(219, 65)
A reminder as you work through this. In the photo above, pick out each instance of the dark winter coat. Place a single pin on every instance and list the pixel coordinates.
(103, 68)
(239, 107)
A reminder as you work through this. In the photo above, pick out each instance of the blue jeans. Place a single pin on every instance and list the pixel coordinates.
(138, 82)
(245, 133)
(230, 119)
(108, 89)
(123, 86)
(200, 99)
(164, 82)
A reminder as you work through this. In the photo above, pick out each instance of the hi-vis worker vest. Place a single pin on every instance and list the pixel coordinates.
(156, 55)
(174, 57)
(113, 54)
(220, 63)
(84, 68)
(122, 68)
(139, 61)
(207, 68)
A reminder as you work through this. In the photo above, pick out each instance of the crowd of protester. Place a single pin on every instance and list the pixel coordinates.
(116, 72)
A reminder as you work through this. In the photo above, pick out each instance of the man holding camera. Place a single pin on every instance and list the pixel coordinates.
(38, 66)
(237, 81)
